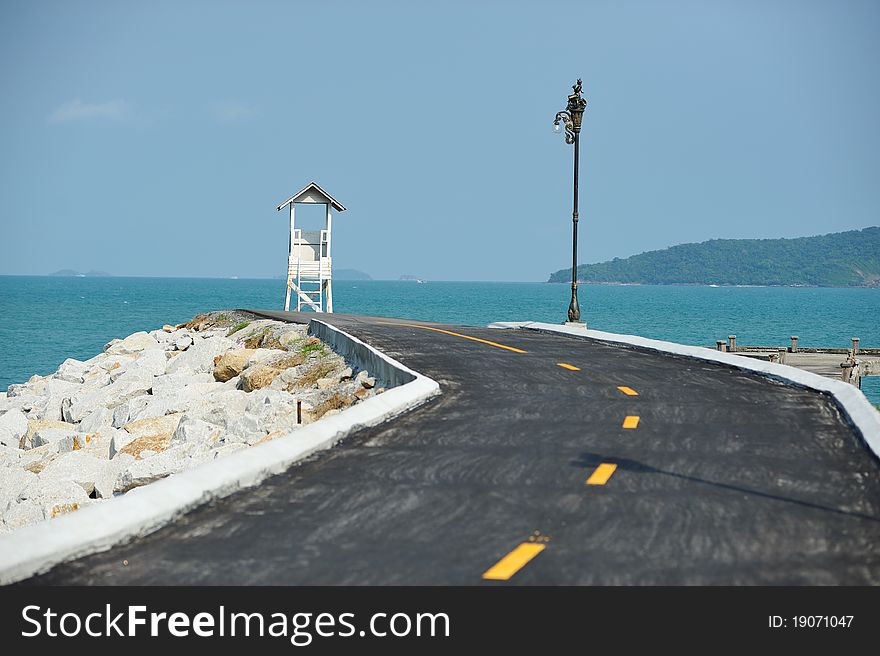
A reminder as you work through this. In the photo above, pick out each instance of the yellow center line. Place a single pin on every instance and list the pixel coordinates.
(514, 561)
(631, 421)
(602, 474)
(629, 391)
(449, 332)
(570, 367)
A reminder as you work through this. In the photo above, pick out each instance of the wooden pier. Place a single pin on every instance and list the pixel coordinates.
(847, 364)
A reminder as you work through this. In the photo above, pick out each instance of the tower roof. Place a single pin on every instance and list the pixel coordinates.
(312, 193)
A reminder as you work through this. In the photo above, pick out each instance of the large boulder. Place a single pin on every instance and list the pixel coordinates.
(230, 364)
(126, 387)
(96, 420)
(260, 376)
(34, 425)
(152, 434)
(13, 426)
(12, 482)
(81, 468)
(97, 477)
(55, 497)
(194, 430)
(151, 362)
(48, 405)
(98, 443)
(173, 383)
(199, 358)
(149, 470)
(134, 343)
(119, 440)
(153, 426)
(71, 371)
(24, 513)
(64, 439)
(219, 408)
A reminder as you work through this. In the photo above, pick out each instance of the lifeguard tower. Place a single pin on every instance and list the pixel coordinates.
(309, 272)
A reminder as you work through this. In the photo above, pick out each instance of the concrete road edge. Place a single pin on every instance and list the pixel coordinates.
(35, 549)
(851, 402)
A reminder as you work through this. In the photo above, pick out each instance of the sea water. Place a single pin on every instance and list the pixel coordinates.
(47, 319)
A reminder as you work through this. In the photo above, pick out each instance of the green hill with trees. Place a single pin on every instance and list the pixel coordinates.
(841, 259)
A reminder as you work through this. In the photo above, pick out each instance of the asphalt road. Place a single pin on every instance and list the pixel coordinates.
(724, 478)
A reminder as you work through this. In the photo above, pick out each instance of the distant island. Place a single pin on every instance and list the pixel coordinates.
(350, 274)
(71, 273)
(841, 259)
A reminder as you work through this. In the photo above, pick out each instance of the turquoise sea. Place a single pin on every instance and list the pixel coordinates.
(48, 319)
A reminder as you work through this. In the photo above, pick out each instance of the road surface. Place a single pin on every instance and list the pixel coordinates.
(546, 460)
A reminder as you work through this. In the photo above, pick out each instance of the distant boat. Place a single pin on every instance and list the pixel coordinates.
(420, 281)
(713, 285)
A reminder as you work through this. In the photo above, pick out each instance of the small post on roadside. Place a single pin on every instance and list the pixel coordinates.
(731, 343)
(720, 344)
(794, 340)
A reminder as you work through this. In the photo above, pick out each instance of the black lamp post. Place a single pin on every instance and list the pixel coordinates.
(572, 116)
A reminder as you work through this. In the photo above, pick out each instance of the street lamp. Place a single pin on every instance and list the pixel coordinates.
(571, 116)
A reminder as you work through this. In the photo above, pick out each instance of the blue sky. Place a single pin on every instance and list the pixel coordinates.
(157, 138)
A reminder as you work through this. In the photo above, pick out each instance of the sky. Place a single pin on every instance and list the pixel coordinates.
(156, 139)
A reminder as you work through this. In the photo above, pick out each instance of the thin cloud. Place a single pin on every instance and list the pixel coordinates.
(231, 111)
(77, 110)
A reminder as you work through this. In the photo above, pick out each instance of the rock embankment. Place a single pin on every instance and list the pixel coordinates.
(158, 403)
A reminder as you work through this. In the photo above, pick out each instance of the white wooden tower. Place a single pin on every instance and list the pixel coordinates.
(309, 271)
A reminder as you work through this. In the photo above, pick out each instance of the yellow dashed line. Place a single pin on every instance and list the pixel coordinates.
(514, 561)
(602, 474)
(631, 422)
(449, 332)
(570, 367)
(629, 391)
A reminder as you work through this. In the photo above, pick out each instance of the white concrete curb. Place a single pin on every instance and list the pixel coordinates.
(850, 400)
(37, 548)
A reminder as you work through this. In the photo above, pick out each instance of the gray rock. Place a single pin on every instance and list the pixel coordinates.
(266, 356)
(172, 383)
(194, 430)
(62, 438)
(145, 471)
(95, 379)
(220, 408)
(199, 358)
(272, 409)
(134, 343)
(97, 443)
(96, 420)
(124, 388)
(151, 362)
(55, 497)
(12, 482)
(326, 383)
(71, 371)
(365, 380)
(23, 513)
(119, 441)
(81, 468)
(183, 343)
(13, 426)
(228, 449)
